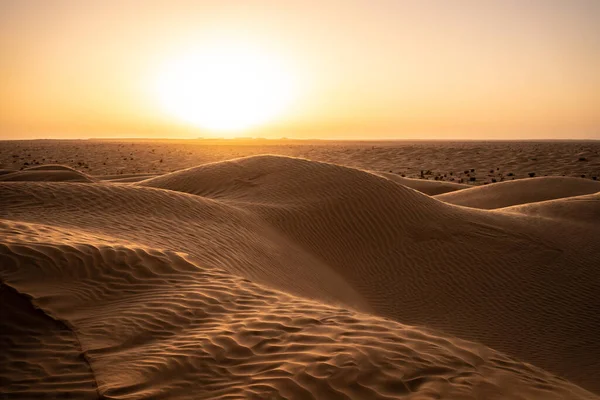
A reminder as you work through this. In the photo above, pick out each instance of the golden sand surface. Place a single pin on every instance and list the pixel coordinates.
(448, 161)
(295, 270)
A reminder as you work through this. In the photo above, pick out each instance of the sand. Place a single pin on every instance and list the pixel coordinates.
(46, 173)
(448, 161)
(582, 209)
(281, 277)
(522, 191)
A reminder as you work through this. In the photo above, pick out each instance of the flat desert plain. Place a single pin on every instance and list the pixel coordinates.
(283, 269)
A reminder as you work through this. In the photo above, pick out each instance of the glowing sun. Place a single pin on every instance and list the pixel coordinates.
(225, 87)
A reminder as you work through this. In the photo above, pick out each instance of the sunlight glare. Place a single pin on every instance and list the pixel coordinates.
(225, 87)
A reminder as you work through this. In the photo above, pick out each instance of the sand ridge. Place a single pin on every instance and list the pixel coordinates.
(319, 241)
(400, 249)
(40, 355)
(522, 191)
(582, 209)
(429, 187)
(46, 173)
(151, 324)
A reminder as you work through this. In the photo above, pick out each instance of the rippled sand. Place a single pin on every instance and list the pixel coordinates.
(279, 277)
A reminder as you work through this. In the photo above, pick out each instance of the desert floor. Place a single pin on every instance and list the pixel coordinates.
(299, 269)
(449, 161)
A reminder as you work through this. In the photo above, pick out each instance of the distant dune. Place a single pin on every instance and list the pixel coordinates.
(583, 209)
(125, 178)
(280, 277)
(522, 191)
(430, 187)
(46, 173)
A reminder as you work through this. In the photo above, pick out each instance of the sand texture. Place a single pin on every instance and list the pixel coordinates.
(274, 277)
(583, 209)
(471, 162)
(46, 173)
(522, 191)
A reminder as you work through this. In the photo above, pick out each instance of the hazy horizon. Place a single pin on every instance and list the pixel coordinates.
(384, 70)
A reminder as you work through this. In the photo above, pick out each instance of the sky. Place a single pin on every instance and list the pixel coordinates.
(372, 69)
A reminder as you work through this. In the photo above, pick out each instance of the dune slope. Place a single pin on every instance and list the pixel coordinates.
(216, 234)
(153, 325)
(476, 274)
(38, 354)
(429, 187)
(46, 173)
(316, 237)
(582, 209)
(522, 191)
(128, 178)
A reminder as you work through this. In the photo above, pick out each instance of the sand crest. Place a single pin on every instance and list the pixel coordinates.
(582, 209)
(522, 191)
(46, 173)
(430, 187)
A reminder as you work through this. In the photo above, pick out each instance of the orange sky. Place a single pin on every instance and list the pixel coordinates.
(494, 69)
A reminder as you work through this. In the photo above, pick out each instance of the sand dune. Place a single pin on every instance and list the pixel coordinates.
(215, 233)
(582, 209)
(403, 251)
(151, 324)
(40, 356)
(522, 191)
(45, 176)
(49, 167)
(273, 276)
(122, 178)
(46, 173)
(425, 186)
